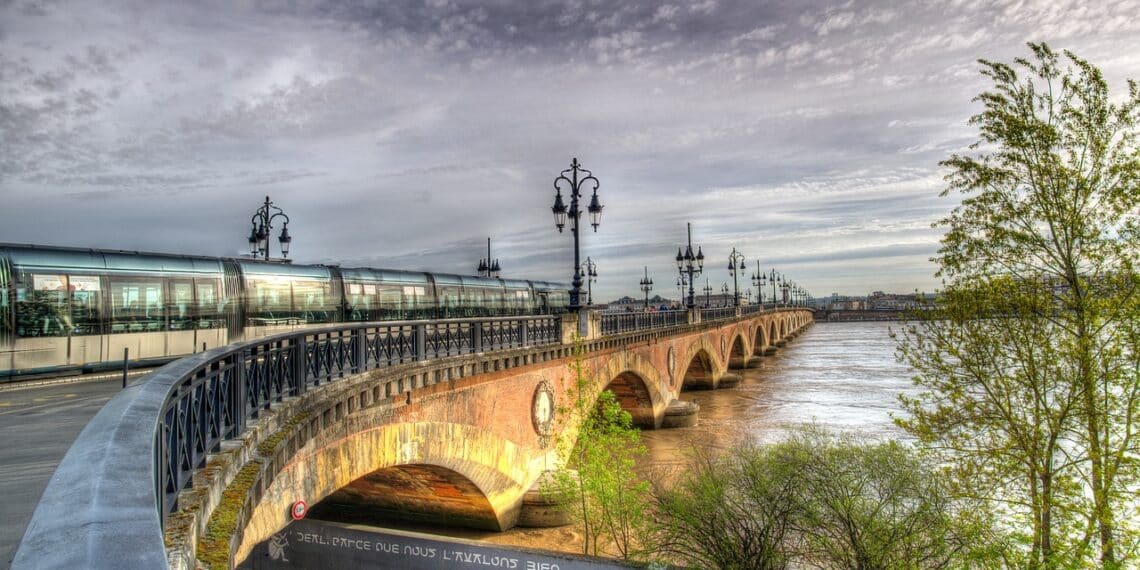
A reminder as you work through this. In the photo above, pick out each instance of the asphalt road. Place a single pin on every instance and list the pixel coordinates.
(37, 426)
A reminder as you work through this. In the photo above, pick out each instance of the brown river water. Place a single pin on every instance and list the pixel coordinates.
(841, 376)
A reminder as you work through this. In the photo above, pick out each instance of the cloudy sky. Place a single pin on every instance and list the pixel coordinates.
(404, 133)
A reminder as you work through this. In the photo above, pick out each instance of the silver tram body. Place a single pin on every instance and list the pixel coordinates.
(68, 310)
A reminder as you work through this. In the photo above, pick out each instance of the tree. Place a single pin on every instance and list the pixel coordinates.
(816, 500)
(1029, 360)
(599, 443)
(730, 511)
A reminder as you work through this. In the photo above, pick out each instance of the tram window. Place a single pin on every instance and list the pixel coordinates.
(390, 302)
(136, 305)
(357, 301)
(41, 306)
(415, 302)
(311, 302)
(271, 300)
(448, 302)
(181, 304)
(86, 309)
(210, 307)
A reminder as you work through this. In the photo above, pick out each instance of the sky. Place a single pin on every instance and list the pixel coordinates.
(402, 134)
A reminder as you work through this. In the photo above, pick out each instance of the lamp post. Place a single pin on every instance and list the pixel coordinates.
(590, 272)
(748, 295)
(735, 259)
(708, 293)
(724, 294)
(784, 289)
(488, 268)
(573, 186)
(758, 283)
(692, 264)
(262, 221)
(646, 286)
(774, 279)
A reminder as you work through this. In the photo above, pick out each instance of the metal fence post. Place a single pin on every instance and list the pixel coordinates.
(125, 365)
(360, 353)
(299, 368)
(477, 337)
(420, 340)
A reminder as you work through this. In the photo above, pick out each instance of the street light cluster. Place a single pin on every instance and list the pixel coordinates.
(262, 221)
(573, 180)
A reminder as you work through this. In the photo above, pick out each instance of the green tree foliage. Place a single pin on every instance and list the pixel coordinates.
(820, 501)
(601, 446)
(1029, 360)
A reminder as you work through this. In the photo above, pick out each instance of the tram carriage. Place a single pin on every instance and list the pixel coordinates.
(65, 310)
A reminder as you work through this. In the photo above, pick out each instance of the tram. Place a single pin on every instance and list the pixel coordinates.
(70, 310)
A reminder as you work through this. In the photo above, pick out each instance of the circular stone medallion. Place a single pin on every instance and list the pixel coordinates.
(542, 412)
(672, 366)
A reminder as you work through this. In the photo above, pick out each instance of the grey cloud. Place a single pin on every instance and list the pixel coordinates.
(403, 133)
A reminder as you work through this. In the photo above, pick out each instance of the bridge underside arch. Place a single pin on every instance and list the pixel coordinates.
(451, 464)
(739, 353)
(633, 395)
(700, 374)
(762, 341)
(419, 493)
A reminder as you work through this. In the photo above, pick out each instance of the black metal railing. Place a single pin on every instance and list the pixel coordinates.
(221, 396)
(616, 323)
(717, 314)
(751, 309)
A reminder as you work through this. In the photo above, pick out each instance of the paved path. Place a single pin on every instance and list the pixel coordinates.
(37, 426)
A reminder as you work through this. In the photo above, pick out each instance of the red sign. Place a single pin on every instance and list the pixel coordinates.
(298, 510)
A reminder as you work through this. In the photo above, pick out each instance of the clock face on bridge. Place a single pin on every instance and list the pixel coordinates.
(542, 412)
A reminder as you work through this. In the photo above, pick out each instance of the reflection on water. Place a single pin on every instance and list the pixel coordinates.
(842, 376)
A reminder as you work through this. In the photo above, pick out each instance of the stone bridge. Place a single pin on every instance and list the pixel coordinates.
(455, 439)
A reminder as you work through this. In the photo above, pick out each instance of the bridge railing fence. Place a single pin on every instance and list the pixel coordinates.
(617, 323)
(751, 309)
(718, 313)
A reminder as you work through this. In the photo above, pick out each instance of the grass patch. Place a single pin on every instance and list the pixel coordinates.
(214, 546)
(270, 444)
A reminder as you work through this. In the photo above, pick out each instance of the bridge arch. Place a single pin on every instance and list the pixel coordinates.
(418, 492)
(773, 333)
(483, 462)
(639, 386)
(739, 353)
(760, 334)
(700, 368)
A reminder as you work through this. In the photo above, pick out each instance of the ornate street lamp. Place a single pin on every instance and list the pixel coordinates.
(758, 283)
(262, 221)
(691, 264)
(646, 286)
(590, 271)
(735, 259)
(772, 278)
(488, 268)
(708, 293)
(724, 294)
(574, 188)
(748, 295)
(784, 289)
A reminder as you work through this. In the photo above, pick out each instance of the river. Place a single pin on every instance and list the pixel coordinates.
(841, 376)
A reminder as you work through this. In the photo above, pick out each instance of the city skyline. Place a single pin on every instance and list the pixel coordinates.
(805, 135)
